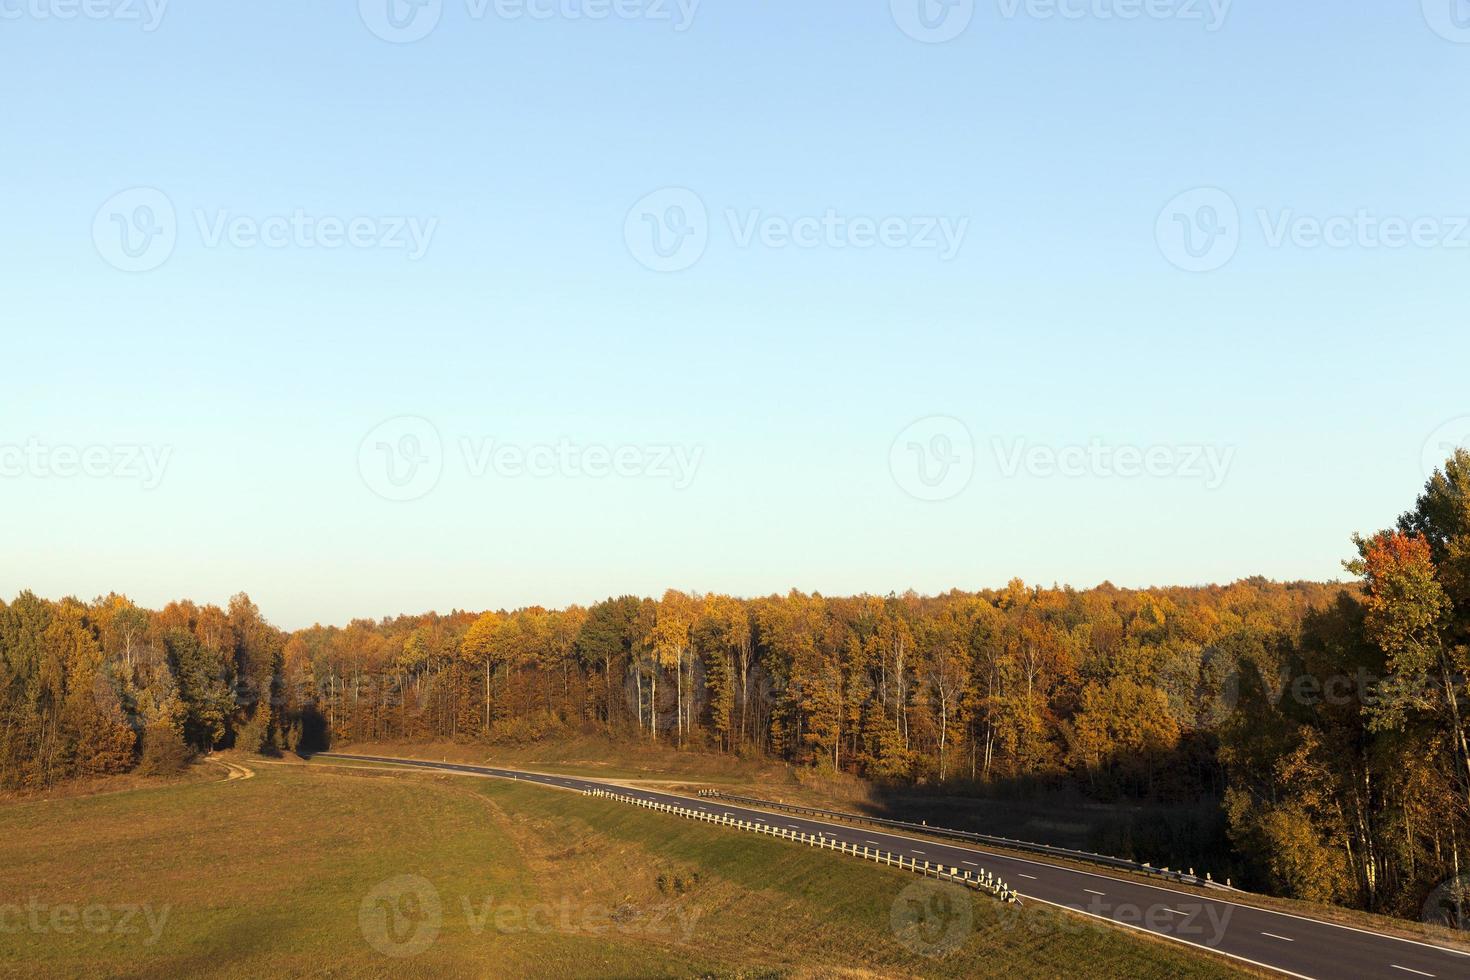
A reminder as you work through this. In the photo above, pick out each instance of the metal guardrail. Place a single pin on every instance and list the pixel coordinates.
(1019, 845)
(980, 881)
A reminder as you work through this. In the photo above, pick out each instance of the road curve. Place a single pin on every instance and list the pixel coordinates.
(1289, 944)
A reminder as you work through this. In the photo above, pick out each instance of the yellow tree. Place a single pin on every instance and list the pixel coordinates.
(479, 647)
(562, 628)
(98, 738)
(897, 644)
(947, 670)
(670, 641)
(1123, 723)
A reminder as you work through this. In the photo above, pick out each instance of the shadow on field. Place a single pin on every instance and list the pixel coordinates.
(315, 735)
(1180, 835)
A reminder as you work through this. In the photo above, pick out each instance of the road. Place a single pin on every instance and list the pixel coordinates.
(1289, 944)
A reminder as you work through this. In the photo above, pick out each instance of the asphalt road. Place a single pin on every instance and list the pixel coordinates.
(1279, 941)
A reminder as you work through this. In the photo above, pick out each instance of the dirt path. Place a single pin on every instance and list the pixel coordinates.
(234, 770)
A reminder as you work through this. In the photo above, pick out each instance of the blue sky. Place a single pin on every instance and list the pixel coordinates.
(819, 350)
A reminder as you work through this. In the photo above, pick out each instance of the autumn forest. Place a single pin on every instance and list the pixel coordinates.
(1325, 724)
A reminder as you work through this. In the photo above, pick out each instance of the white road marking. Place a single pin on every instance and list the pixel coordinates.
(1407, 970)
(1091, 891)
(916, 852)
(1174, 911)
(873, 842)
(1019, 875)
(1274, 936)
(970, 863)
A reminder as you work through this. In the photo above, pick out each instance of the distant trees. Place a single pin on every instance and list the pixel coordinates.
(1023, 682)
(99, 688)
(1332, 722)
(1020, 682)
(1102, 686)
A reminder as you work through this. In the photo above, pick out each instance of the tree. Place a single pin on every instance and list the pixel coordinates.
(947, 670)
(95, 737)
(203, 689)
(606, 640)
(1123, 728)
(731, 652)
(1409, 617)
(481, 647)
(669, 641)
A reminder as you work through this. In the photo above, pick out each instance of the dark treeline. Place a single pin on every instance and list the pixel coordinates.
(1328, 721)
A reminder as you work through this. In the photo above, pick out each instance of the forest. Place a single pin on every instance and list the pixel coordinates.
(1328, 721)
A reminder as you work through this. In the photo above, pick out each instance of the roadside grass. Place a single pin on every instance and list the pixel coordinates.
(666, 768)
(270, 874)
(799, 910)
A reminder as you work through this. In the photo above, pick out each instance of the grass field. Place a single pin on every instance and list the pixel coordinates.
(309, 869)
(667, 768)
(1056, 818)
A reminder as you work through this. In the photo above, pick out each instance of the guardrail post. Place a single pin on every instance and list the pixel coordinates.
(981, 879)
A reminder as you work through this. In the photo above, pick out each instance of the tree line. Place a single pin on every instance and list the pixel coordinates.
(1329, 719)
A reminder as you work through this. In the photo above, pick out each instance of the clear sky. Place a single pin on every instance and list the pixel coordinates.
(568, 298)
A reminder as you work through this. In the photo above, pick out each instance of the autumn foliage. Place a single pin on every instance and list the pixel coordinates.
(1325, 721)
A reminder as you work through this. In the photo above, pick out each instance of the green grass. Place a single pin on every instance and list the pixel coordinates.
(664, 767)
(270, 875)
